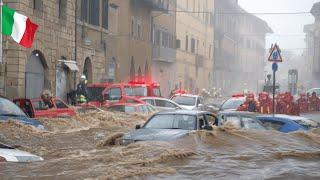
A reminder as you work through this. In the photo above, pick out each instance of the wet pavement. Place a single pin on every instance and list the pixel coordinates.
(87, 147)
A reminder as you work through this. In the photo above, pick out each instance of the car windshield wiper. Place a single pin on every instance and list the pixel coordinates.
(11, 115)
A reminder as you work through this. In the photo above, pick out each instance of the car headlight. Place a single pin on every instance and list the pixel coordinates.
(127, 141)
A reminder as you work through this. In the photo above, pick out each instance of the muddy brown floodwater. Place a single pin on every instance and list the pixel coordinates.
(87, 147)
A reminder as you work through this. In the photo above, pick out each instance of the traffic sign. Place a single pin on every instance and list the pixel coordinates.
(274, 66)
(275, 54)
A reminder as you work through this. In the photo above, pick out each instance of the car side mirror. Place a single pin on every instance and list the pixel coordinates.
(208, 127)
(138, 126)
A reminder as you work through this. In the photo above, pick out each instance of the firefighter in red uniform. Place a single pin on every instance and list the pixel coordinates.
(265, 103)
(303, 103)
(288, 103)
(314, 102)
(281, 105)
(249, 105)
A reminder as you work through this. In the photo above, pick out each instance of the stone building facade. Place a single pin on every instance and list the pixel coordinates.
(239, 48)
(312, 52)
(164, 47)
(29, 71)
(106, 40)
(194, 56)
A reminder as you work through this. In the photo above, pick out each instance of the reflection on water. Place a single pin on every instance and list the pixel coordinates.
(87, 146)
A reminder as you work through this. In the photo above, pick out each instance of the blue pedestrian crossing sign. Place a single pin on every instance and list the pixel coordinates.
(275, 54)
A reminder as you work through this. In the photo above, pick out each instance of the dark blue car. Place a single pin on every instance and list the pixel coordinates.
(286, 123)
(8, 110)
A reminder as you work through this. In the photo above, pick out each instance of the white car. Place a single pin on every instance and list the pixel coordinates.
(161, 104)
(9, 154)
(188, 101)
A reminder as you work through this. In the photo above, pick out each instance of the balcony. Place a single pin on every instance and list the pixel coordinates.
(156, 5)
(163, 54)
(199, 60)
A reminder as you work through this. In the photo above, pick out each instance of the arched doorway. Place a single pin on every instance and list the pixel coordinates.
(61, 80)
(35, 71)
(87, 69)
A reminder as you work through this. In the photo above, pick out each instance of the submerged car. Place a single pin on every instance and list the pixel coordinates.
(36, 108)
(9, 110)
(143, 108)
(170, 125)
(287, 123)
(240, 120)
(233, 103)
(10, 154)
(189, 101)
(161, 104)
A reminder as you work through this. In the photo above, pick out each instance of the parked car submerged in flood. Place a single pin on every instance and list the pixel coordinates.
(10, 154)
(170, 125)
(10, 111)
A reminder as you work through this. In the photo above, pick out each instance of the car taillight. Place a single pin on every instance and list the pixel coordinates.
(2, 159)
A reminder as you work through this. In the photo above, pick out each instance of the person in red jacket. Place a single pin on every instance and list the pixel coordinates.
(314, 102)
(303, 103)
(265, 103)
(288, 99)
(280, 104)
(249, 105)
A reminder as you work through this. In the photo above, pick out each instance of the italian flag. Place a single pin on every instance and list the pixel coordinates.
(18, 26)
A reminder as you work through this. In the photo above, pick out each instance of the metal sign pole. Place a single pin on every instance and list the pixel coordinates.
(273, 92)
(274, 69)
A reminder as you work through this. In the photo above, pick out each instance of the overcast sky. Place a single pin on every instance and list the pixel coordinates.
(288, 29)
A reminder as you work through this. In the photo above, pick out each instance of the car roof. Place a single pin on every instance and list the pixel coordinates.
(243, 113)
(156, 98)
(186, 112)
(126, 104)
(282, 116)
(187, 95)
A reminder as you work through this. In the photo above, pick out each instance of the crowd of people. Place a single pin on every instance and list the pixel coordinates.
(284, 103)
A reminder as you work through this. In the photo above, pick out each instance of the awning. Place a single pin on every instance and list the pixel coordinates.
(72, 65)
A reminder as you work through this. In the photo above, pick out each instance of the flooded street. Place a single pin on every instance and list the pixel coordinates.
(88, 147)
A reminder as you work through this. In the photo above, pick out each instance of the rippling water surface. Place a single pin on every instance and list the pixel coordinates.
(87, 147)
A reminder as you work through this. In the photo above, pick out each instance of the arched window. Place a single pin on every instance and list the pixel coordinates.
(87, 69)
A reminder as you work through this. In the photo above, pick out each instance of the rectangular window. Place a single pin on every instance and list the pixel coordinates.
(178, 43)
(139, 29)
(37, 5)
(193, 45)
(187, 42)
(132, 27)
(105, 14)
(94, 12)
(157, 37)
(62, 9)
(84, 10)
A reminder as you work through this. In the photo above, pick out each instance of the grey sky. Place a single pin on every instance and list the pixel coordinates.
(284, 26)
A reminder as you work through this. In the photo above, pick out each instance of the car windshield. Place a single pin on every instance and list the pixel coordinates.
(8, 108)
(139, 91)
(185, 100)
(232, 104)
(172, 121)
(307, 123)
(251, 123)
(157, 92)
